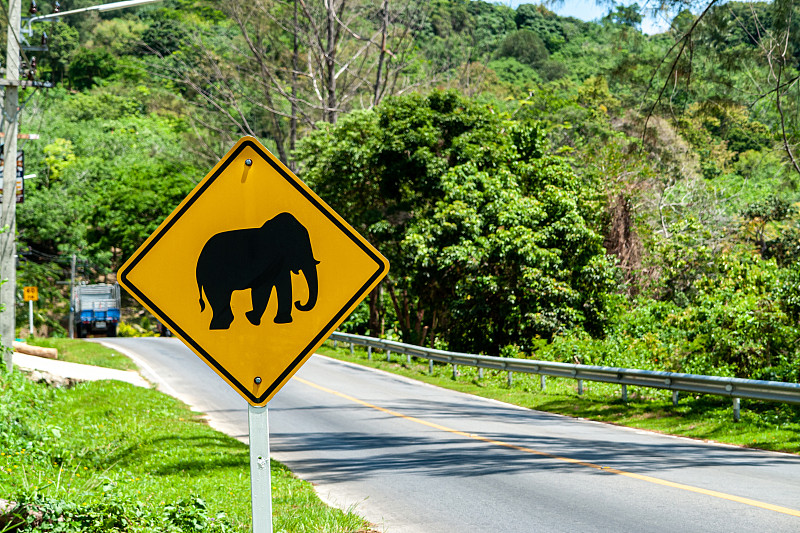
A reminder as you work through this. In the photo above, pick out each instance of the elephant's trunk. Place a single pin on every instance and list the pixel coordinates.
(310, 272)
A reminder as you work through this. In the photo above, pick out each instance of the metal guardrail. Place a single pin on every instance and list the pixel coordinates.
(735, 388)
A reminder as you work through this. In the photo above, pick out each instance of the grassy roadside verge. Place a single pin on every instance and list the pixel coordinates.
(764, 425)
(112, 457)
(84, 352)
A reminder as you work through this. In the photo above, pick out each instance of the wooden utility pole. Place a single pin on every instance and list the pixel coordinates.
(8, 225)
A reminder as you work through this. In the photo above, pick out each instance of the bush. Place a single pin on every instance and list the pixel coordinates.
(525, 46)
(114, 513)
(741, 320)
(90, 65)
(132, 330)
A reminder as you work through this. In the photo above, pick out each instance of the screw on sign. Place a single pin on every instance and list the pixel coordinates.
(253, 271)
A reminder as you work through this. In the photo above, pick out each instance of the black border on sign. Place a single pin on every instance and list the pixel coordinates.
(323, 333)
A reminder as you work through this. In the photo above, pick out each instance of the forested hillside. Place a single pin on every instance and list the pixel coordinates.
(542, 186)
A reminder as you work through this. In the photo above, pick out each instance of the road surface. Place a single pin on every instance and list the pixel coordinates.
(413, 458)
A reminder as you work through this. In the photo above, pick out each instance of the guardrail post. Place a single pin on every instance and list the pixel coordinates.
(624, 393)
(510, 378)
(408, 358)
(480, 372)
(351, 348)
(388, 355)
(675, 398)
(455, 371)
(430, 366)
(334, 344)
(736, 412)
(543, 382)
(369, 353)
(580, 386)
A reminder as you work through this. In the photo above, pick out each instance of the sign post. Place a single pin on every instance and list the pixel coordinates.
(253, 271)
(260, 482)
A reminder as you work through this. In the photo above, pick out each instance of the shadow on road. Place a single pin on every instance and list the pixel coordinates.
(437, 452)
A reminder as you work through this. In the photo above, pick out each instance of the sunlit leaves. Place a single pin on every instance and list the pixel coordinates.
(485, 231)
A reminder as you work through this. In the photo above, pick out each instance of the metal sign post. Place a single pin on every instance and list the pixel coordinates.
(260, 482)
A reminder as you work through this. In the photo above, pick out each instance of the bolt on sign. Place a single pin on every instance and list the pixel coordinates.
(253, 271)
(30, 294)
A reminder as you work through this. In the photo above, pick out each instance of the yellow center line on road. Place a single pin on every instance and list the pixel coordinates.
(640, 477)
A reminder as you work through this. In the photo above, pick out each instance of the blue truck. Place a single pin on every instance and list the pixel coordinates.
(98, 309)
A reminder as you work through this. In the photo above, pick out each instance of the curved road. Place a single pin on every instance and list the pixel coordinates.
(414, 458)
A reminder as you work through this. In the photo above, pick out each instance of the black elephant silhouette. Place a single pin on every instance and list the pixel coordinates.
(257, 259)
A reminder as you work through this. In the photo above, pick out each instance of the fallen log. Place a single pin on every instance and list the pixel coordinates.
(38, 351)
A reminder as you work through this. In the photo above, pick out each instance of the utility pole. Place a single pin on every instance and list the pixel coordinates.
(8, 244)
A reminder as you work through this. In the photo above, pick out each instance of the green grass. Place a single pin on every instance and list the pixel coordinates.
(84, 352)
(765, 425)
(109, 455)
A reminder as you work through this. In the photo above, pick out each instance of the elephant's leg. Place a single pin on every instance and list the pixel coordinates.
(283, 286)
(260, 298)
(220, 301)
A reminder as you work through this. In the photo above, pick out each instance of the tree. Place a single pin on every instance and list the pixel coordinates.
(552, 29)
(110, 173)
(759, 215)
(281, 66)
(626, 15)
(754, 37)
(62, 44)
(486, 233)
(525, 46)
(88, 65)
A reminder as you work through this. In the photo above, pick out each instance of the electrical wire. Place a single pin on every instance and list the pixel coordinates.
(52, 258)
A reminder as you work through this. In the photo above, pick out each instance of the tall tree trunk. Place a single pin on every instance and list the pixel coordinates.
(293, 119)
(277, 133)
(375, 311)
(376, 96)
(332, 31)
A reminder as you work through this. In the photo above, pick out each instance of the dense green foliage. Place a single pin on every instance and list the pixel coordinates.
(535, 180)
(486, 232)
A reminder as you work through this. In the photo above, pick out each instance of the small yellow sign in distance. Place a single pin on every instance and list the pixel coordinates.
(30, 294)
(253, 271)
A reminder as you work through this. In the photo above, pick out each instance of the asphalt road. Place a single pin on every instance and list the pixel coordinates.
(415, 458)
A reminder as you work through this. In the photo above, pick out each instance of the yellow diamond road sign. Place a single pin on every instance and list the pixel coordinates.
(253, 271)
